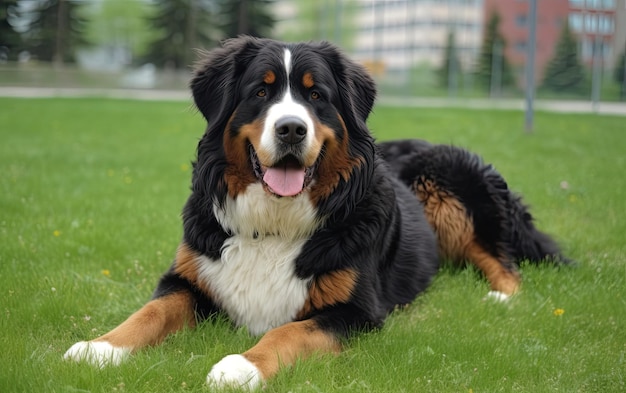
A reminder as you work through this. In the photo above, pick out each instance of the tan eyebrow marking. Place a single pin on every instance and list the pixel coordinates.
(307, 80)
(269, 77)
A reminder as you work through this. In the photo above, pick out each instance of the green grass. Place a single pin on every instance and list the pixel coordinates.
(89, 218)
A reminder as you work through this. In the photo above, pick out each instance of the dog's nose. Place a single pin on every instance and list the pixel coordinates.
(290, 129)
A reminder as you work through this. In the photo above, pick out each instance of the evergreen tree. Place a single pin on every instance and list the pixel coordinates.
(10, 40)
(451, 66)
(565, 72)
(492, 54)
(619, 74)
(252, 17)
(182, 26)
(55, 30)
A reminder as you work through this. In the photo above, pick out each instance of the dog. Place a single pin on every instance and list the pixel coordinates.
(301, 228)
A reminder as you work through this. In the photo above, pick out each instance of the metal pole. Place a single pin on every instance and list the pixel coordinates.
(338, 17)
(597, 73)
(530, 66)
(452, 71)
(623, 94)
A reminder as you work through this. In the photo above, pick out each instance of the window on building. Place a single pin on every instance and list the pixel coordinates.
(521, 20)
(591, 23)
(520, 46)
(608, 4)
(576, 22)
(605, 24)
(594, 4)
(608, 52)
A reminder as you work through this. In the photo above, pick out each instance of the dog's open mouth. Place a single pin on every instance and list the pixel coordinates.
(288, 177)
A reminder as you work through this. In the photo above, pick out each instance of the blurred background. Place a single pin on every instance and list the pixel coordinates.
(418, 48)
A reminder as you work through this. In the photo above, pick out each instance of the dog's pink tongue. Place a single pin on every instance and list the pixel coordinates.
(285, 180)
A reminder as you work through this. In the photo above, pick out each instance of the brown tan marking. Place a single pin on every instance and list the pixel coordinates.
(285, 344)
(238, 174)
(501, 279)
(307, 80)
(186, 265)
(335, 165)
(331, 288)
(454, 228)
(153, 322)
(269, 77)
(456, 237)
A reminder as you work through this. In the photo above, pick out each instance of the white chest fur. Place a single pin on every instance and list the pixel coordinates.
(255, 281)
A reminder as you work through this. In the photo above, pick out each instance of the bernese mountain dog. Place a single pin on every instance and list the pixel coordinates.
(301, 228)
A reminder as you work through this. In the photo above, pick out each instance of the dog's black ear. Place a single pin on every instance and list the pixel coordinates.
(214, 80)
(357, 89)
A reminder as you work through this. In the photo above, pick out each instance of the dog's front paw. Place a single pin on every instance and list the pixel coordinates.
(234, 371)
(96, 353)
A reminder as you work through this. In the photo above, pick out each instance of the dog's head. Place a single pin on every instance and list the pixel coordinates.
(289, 116)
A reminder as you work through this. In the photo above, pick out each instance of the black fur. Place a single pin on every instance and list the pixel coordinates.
(502, 222)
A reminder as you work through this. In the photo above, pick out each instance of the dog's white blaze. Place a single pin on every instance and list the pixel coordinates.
(287, 60)
(254, 281)
(287, 106)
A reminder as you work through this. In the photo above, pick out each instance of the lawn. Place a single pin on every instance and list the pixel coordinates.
(92, 191)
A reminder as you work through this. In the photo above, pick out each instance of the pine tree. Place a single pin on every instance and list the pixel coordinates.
(619, 74)
(56, 30)
(565, 72)
(182, 26)
(10, 40)
(252, 17)
(493, 40)
(451, 64)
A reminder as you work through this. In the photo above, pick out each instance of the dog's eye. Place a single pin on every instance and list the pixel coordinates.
(315, 95)
(261, 93)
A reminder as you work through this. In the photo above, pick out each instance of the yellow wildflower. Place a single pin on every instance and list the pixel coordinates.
(558, 312)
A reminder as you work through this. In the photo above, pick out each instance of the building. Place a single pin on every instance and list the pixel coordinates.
(387, 34)
(392, 35)
(595, 22)
(405, 33)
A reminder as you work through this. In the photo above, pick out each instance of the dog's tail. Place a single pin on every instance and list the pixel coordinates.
(527, 243)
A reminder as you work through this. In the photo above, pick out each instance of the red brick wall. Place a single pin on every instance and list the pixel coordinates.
(514, 24)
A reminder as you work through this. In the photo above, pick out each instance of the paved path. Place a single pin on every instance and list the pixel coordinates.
(609, 108)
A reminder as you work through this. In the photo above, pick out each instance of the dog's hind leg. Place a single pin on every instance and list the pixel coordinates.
(458, 240)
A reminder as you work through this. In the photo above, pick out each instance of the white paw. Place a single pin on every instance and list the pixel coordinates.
(96, 353)
(498, 296)
(234, 371)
